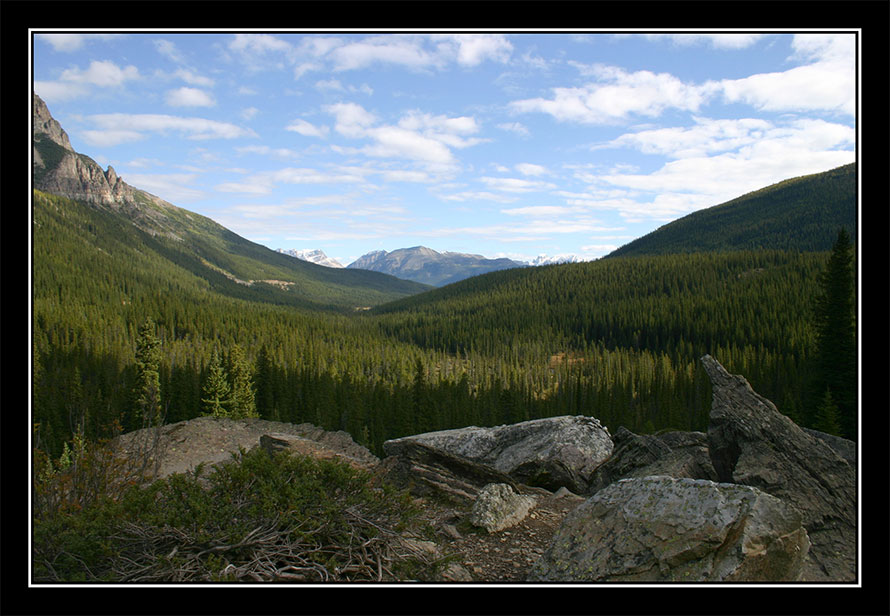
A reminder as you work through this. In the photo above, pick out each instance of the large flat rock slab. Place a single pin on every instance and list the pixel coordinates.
(550, 453)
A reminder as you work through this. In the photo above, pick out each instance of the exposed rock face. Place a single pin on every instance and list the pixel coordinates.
(548, 453)
(426, 470)
(751, 443)
(59, 170)
(498, 507)
(676, 530)
(181, 446)
(674, 454)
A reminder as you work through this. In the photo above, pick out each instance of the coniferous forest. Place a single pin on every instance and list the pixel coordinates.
(116, 308)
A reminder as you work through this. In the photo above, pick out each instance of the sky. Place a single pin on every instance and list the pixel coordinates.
(499, 143)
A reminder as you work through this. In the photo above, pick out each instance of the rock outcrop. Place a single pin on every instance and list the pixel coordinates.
(676, 530)
(550, 453)
(300, 445)
(58, 169)
(426, 471)
(498, 507)
(752, 443)
(674, 454)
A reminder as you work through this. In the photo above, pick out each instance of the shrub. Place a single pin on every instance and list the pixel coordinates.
(255, 518)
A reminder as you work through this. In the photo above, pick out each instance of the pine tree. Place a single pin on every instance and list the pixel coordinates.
(826, 419)
(242, 388)
(836, 333)
(148, 383)
(217, 398)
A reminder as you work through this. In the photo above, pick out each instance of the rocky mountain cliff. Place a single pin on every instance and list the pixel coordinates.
(58, 169)
(422, 264)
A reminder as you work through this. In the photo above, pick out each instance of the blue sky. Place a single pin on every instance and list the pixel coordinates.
(506, 143)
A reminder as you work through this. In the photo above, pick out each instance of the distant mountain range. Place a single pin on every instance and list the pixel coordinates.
(425, 265)
(422, 264)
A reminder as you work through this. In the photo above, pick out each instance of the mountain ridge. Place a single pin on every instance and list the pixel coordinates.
(195, 243)
(429, 266)
(802, 213)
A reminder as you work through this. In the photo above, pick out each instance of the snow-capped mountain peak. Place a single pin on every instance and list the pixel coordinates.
(313, 256)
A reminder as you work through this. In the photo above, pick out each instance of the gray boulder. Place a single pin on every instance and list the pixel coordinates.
(498, 507)
(663, 529)
(426, 471)
(674, 454)
(752, 443)
(548, 453)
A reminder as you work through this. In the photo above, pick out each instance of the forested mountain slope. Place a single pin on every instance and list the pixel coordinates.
(152, 234)
(618, 339)
(802, 213)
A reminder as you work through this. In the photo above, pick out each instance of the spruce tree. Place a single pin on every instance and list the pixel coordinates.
(242, 392)
(826, 419)
(217, 398)
(836, 333)
(148, 383)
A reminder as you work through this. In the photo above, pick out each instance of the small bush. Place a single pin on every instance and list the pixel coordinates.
(255, 518)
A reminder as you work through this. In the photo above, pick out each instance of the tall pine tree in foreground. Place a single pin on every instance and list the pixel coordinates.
(243, 390)
(217, 398)
(148, 384)
(836, 335)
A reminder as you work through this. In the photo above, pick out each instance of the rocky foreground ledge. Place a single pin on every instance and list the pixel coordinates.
(755, 499)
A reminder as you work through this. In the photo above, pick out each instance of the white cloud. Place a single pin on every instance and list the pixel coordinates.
(516, 185)
(420, 137)
(540, 210)
(259, 44)
(473, 49)
(55, 91)
(189, 97)
(723, 40)
(307, 129)
(264, 182)
(193, 79)
(168, 49)
(827, 86)
(265, 150)
(404, 50)
(515, 127)
(110, 137)
(101, 73)
(817, 47)
(395, 142)
(617, 95)
(404, 175)
(174, 187)
(478, 196)
(248, 113)
(530, 169)
(63, 41)
(707, 136)
(351, 119)
(124, 124)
